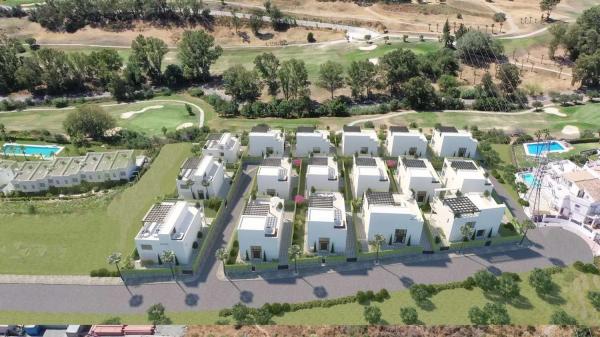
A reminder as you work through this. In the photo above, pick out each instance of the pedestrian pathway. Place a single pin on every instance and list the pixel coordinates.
(60, 280)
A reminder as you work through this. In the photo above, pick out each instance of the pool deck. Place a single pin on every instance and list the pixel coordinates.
(566, 147)
(15, 147)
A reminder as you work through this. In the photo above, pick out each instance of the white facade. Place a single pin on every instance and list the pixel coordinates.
(397, 217)
(369, 173)
(326, 225)
(355, 141)
(259, 229)
(322, 174)
(482, 213)
(263, 141)
(274, 177)
(200, 178)
(418, 178)
(309, 140)
(450, 142)
(7, 174)
(224, 146)
(465, 176)
(401, 141)
(170, 226)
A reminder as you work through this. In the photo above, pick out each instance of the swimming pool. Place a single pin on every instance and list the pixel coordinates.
(43, 151)
(528, 178)
(535, 149)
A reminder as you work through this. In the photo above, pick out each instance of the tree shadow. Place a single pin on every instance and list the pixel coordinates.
(265, 36)
(320, 292)
(521, 302)
(136, 300)
(407, 282)
(552, 296)
(246, 296)
(426, 305)
(191, 300)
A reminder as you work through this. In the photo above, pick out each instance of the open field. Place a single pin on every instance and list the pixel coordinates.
(448, 307)
(76, 237)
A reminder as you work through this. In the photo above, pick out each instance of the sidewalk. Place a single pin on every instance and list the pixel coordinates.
(60, 280)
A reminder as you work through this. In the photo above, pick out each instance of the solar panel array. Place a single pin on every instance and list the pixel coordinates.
(447, 129)
(317, 161)
(214, 136)
(321, 201)
(305, 129)
(398, 128)
(260, 128)
(365, 161)
(463, 165)
(158, 213)
(191, 163)
(461, 205)
(271, 162)
(257, 209)
(416, 163)
(348, 128)
(381, 198)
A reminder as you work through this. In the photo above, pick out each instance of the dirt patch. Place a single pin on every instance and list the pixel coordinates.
(129, 114)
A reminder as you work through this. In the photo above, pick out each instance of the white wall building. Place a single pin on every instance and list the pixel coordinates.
(7, 174)
(401, 141)
(200, 178)
(222, 145)
(394, 216)
(170, 225)
(264, 141)
(322, 174)
(482, 213)
(369, 173)
(274, 177)
(447, 141)
(326, 223)
(309, 140)
(259, 229)
(418, 178)
(355, 141)
(94, 167)
(465, 176)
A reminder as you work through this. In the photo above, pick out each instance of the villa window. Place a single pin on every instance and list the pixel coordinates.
(462, 151)
(324, 244)
(421, 195)
(480, 233)
(412, 151)
(581, 194)
(146, 247)
(271, 192)
(364, 150)
(122, 174)
(316, 150)
(255, 252)
(399, 235)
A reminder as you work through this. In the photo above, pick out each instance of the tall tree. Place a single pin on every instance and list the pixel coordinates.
(510, 77)
(293, 78)
(197, 52)
(548, 6)
(587, 70)
(89, 120)
(362, 77)
(378, 240)
(331, 76)
(267, 66)
(9, 63)
(447, 37)
(243, 85)
(399, 66)
(148, 53)
(256, 23)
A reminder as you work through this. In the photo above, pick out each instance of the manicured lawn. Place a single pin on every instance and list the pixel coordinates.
(67, 238)
(504, 152)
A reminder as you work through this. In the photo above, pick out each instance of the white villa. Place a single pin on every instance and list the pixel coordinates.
(200, 178)
(274, 177)
(94, 167)
(403, 141)
(322, 175)
(264, 141)
(395, 216)
(311, 141)
(369, 173)
(418, 178)
(326, 223)
(355, 141)
(259, 230)
(447, 141)
(482, 213)
(223, 146)
(170, 225)
(465, 176)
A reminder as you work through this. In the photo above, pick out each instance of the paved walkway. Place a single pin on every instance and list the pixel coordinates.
(515, 208)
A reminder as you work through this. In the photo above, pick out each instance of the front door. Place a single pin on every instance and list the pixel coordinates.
(399, 235)
(462, 151)
(324, 244)
(255, 252)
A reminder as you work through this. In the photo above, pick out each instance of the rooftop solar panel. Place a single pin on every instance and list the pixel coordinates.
(380, 198)
(191, 163)
(271, 162)
(463, 165)
(254, 208)
(461, 205)
(416, 163)
(214, 136)
(321, 201)
(318, 161)
(260, 128)
(366, 161)
(348, 128)
(158, 213)
(442, 128)
(398, 128)
(306, 129)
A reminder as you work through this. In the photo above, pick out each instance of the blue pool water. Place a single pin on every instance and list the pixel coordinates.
(528, 178)
(44, 151)
(534, 149)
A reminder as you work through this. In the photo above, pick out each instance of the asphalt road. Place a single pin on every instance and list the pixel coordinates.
(551, 246)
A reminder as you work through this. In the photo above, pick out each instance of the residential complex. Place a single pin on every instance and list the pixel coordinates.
(465, 176)
(402, 141)
(264, 141)
(326, 226)
(369, 174)
(223, 146)
(274, 177)
(200, 178)
(418, 178)
(357, 141)
(259, 229)
(311, 141)
(322, 175)
(447, 141)
(170, 226)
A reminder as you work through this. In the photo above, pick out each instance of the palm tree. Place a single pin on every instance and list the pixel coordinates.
(168, 256)
(378, 240)
(2, 131)
(466, 231)
(294, 252)
(221, 255)
(115, 258)
(527, 224)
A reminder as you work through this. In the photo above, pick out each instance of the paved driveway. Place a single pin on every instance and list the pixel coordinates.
(551, 246)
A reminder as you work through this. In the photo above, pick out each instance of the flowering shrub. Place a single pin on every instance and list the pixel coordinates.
(391, 163)
(299, 199)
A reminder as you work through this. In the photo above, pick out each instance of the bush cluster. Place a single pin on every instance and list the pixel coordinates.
(103, 272)
(588, 268)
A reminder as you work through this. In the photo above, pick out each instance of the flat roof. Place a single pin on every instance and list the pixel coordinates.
(318, 161)
(450, 129)
(321, 201)
(258, 209)
(351, 128)
(214, 136)
(414, 163)
(260, 128)
(158, 213)
(461, 205)
(305, 129)
(365, 161)
(398, 128)
(381, 198)
(191, 163)
(271, 162)
(463, 165)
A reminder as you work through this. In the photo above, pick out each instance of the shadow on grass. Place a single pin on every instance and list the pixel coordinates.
(426, 305)
(521, 302)
(552, 296)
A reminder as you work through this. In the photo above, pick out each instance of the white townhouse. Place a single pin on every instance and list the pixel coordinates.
(402, 141)
(200, 178)
(264, 141)
(311, 141)
(326, 226)
(447, 141)
(465, 176)
(395, 216)
(481, 213)
(418, 178)
(322, 175)
(274, 177)
(259, 229)
(7, 174)
(369, 173)
(170, 225)
(223, 146)
(355, 141)
(94, 167)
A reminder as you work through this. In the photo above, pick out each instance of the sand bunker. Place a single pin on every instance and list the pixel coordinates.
(571, 131)
(554, 111)
(369, 47)
(185, 126)
(129, 114)
(374, 60)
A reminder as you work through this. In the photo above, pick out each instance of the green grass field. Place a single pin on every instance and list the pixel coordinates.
(76, 237)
